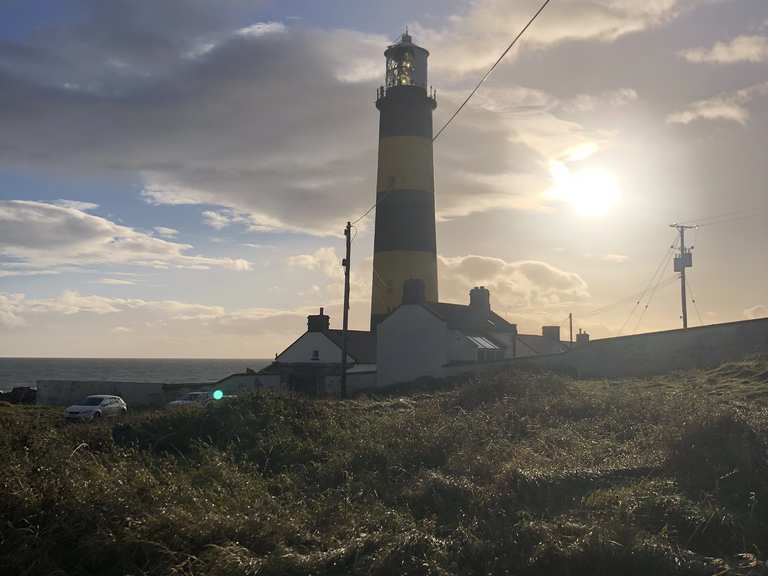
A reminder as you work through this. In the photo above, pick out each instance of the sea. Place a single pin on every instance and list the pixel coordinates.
(27, 371)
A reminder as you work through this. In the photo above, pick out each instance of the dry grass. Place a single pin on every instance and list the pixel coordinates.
(517, 473)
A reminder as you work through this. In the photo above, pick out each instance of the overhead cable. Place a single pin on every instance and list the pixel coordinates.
(658, 273)
(491, 69)
(693, 299)
(468, 98)
(659, 284)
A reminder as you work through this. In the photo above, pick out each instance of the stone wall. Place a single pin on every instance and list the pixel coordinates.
(660, 352)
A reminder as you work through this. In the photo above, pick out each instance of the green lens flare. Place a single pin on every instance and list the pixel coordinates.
(218, 394)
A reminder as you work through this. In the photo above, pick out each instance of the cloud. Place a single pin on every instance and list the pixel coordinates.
(261, 29)
(324, 260)
(474, 38)
(228, 128)
(740, 49)
(221, 219)
(504, 144)
(47, 235)
(208, 116)
(146, 327)
(216, 220)
(21, 273)
(166, 232)
(77, 205)
(513, 285)
(10, 315)
(615, 258)
(759, 311)
(72, 302)
(591, 102)
(730, 107)
(121, 330)
(114, 282)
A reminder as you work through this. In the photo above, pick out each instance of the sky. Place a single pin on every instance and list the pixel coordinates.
(175, 176)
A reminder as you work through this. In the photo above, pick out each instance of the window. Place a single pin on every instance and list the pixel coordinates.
(92, 401)
(482, 343)
(315, 354)
(487, 351)
(401, 68)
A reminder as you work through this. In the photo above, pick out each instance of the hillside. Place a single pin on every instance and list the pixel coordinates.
(515, 473)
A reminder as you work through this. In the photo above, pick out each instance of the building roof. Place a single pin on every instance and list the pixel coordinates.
(533, 345)
(361, 345)
(459, 317)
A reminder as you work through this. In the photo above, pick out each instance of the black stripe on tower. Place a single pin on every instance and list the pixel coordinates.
(405, 220)
(406, 111)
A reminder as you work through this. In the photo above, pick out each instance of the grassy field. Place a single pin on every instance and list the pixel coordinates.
(516, 473)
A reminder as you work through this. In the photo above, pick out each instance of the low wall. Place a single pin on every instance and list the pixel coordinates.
(660, 352)
(135, 394)
(141, 394)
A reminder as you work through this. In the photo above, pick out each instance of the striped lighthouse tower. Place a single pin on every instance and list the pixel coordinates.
(404, 245)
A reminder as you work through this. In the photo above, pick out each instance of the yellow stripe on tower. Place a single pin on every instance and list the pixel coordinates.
(392, 269)
(405, 163)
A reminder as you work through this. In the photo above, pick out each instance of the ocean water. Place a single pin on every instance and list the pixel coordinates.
(27, 371)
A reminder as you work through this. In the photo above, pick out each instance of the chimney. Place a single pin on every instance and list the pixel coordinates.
(551, 333)
(480, 304)
(318, 322)
(414, 291)
(582, 339)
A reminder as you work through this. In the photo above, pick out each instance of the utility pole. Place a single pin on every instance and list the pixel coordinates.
(682, 261)
(345, 326)
(570, 327)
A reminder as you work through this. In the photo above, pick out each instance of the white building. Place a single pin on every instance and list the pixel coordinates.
(433, 338)
(312, 364)
(418, 339)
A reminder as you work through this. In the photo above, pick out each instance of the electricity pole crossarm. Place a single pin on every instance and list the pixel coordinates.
(682, 261)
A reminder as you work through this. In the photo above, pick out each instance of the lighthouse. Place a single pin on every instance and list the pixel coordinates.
(404, 244)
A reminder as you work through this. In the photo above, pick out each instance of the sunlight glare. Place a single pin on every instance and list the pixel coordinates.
(591, 192)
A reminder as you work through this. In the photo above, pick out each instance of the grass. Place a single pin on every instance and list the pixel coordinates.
(514, 473)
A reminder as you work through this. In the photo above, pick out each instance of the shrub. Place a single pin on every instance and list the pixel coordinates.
(722, 455)
(518, 472)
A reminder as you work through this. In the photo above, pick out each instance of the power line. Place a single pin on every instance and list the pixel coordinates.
(491, 69)
(659, 284)
(364, 214)
(693, 299)
(650, 292)
(468, 98)
(725, 217)
(598, 311)
(657, 275)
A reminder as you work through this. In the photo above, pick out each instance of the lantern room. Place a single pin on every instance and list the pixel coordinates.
(406, 64)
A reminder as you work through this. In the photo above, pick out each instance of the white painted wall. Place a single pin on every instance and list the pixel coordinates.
(356, 380)
(460, 349)
(244, 383)
(271, 382)
(301, 350)
(411, 342)
(508, 339)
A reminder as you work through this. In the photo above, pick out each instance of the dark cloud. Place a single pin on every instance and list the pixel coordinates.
(276, 124)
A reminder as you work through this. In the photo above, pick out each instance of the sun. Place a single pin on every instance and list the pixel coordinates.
(592, 192)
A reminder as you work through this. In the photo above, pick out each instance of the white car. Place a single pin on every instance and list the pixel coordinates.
(94, 407)
(192, 399)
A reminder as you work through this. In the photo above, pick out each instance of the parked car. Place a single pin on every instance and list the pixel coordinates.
(94, 407)
(192, 399)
